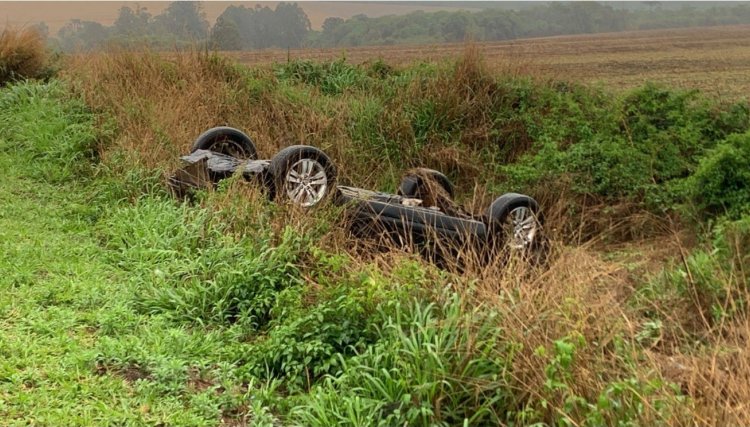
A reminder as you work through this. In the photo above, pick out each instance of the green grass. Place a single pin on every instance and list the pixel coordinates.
(72, 346)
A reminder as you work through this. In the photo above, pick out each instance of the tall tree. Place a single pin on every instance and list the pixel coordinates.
(225, 35)
(77, 34)
(292, 23)
(261, 27)
(331, 23)
(42, 28)
(132, 23)
(185, 20)
(458, 26)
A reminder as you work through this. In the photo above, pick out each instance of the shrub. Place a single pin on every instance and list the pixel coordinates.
(306, 341)
(23, 55)
(732, 241)
(621, 401)
(639, 148)
(310, 344)
(721, 183)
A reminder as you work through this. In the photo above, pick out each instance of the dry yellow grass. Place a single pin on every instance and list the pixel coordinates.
(23, 54)
(160, 105)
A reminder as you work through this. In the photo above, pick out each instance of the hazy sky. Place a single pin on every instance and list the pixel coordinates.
(56, 13)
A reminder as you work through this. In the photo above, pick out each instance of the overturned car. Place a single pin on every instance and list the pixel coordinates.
(422, 212)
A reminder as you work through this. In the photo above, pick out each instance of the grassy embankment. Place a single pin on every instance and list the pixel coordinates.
(126, 307)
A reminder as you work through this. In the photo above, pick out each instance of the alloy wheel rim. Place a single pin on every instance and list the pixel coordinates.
(525, 226)
(306, 182)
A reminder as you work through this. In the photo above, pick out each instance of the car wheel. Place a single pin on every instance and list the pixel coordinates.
(514, 220)
(228, 141)
(413, 183)
(302, 175)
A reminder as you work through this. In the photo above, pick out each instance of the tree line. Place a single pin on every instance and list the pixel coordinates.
(180, 22)
(556, 18)
(288, 26)
(185, 23)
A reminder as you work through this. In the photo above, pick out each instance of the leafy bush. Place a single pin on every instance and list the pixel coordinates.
(620, 402)
(310, 344)
(663, 127)
(721, 183)
(23, 55)
(732, 242)
(642, 152)
(306, 341)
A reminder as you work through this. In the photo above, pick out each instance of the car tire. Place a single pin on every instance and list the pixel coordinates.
(412, 183)
(302, 175)
(228, 141)
(515, 221)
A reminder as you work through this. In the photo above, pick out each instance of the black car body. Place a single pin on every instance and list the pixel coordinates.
(421, 213)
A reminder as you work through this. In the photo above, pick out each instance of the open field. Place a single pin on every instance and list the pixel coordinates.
(713, 59)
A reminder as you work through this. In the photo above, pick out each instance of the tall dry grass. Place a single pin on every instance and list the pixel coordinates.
(23, 55)
(663, 353)
(161, 104)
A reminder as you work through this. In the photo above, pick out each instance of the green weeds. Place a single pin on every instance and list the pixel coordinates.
(53, 133)
(332, 78)
(714, 277)
(428, 367)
